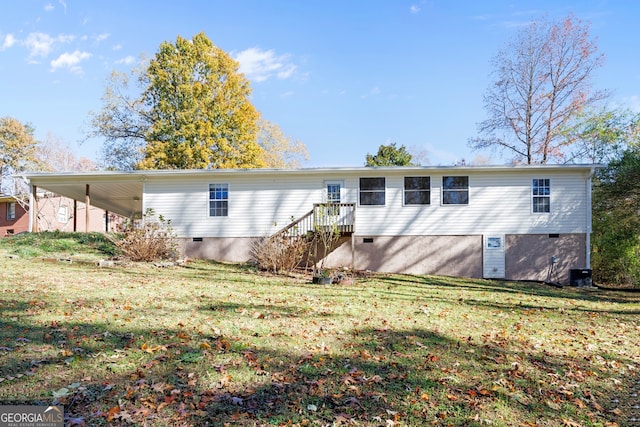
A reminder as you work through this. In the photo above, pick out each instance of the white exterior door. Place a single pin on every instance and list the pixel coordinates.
(493, 257)
(333, 194)
(333, 191)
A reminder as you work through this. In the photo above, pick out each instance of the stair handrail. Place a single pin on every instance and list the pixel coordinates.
(295, 223)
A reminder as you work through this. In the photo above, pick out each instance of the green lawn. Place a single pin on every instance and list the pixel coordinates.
(213, 344)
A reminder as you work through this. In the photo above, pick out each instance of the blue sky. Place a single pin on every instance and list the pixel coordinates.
(341, 76)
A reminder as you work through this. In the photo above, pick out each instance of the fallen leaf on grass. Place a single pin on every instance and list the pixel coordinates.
(596, 405)
(222, 344)
(579, 403)
(152, 349)
(111, 413)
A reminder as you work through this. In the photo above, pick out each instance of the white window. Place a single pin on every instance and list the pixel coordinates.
(455, 190)
(372, 191)
(63, 214)
(541, 193)
(218, 199)
(11, 211)
(417, 190)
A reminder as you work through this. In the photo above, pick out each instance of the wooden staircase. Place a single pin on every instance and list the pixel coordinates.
(340, 215)
(324, 216)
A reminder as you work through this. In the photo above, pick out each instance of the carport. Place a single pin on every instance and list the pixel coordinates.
(116, 192)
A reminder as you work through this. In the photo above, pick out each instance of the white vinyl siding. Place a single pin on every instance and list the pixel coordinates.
(257, 206)
(260, 204)
(498, 204)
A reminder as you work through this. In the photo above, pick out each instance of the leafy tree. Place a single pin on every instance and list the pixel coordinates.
(193, 112)
(122, 121)
(390, 155)
(201, 116)
(279, 150)
(616, 223)
(599, 136)
(542, 80)
(17, 151)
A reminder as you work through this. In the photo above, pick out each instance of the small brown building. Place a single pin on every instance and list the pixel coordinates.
(14, 218)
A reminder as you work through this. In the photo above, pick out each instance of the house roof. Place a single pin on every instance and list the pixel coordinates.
(121, 192)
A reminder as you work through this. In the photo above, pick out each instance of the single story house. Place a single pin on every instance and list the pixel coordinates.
(522, 222)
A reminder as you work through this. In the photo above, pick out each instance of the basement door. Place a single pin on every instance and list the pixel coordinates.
(493, 257)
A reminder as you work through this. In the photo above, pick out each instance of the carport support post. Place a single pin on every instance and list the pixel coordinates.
(34, 209)
(75, 215)
(87, 201)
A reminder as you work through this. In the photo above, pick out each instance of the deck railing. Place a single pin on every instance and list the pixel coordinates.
(340, 215)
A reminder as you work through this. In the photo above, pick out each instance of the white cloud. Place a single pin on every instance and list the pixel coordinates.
(373, 92)
(260, 65)
(102, 37)
(9, 40)
(64, 5)
(414, 8)
(127, 60)
(40, 44)
(48, 7)
(117, 47)
(70, 61)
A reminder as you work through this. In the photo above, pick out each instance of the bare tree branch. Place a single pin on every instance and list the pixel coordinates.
(542, 80)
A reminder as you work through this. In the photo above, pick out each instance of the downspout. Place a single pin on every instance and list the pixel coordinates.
(589, 217)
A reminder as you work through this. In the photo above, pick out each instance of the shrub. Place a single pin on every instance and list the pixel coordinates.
(151, 239)
(280, 253)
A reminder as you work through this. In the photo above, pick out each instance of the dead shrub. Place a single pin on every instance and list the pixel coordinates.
(280, 253)
(147, 239)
